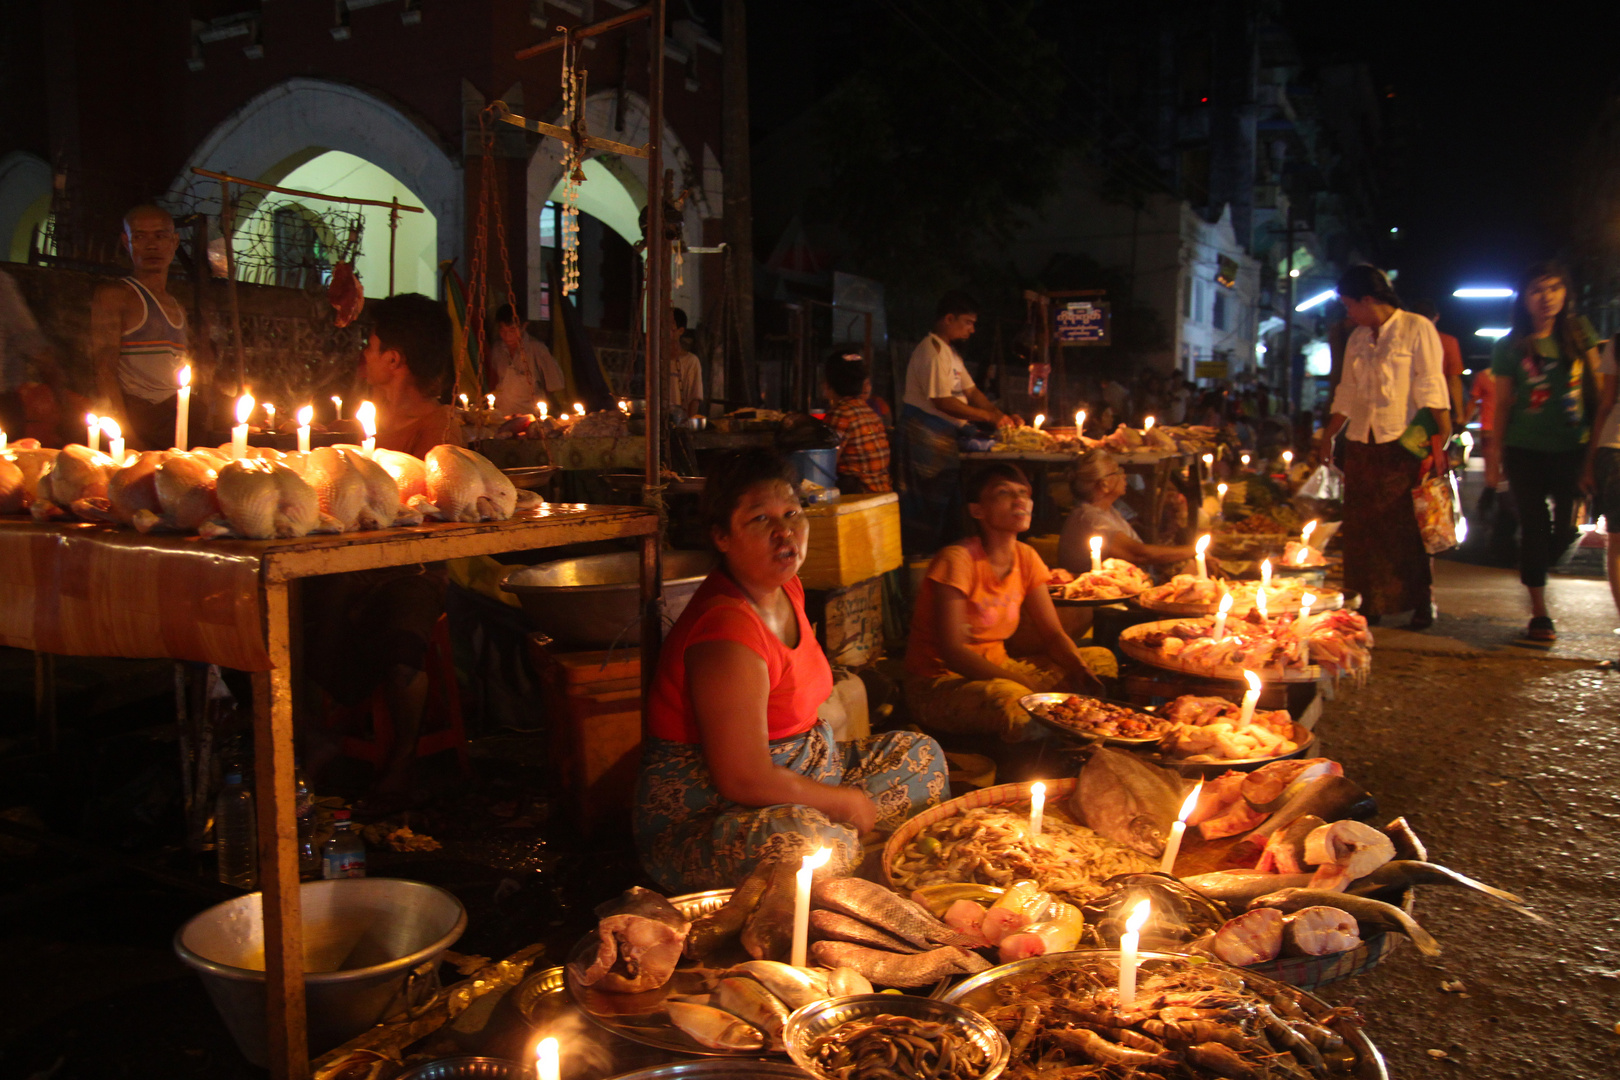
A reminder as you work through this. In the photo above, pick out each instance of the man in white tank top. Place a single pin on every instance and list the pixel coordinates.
(138, 338)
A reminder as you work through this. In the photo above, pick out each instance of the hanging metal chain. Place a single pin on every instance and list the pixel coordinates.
(573, 175)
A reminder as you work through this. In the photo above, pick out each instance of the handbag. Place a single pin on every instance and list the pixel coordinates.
(1439, 513)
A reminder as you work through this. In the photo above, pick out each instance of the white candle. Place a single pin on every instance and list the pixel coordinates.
(1305, 533)
(1040, 418)
(1265, 573)
(239, 433)
(1245, 459)
(115, 439)
(1250, 699)
(1127, 953)
(1260, 603)
(367, 415)
(1079, 421)
(1096, 553)
(463, 401)
(92, 431)
(1209, 461)
(182, 410)
(579, 409)
(1147, 424)
(542, 409)
(489, 401)
(2, 439)
(547, 1060)
(1172, 847)
(269, 417)
(1305, 603)
(1288, 460)
(305, 415)
(624, 406)
(337, 403)
(801, 903)
(1221, 613)
(1037, 808)
(1203, 566)
(1220, 500)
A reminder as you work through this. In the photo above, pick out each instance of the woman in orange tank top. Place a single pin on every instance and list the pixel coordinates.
(736, 766)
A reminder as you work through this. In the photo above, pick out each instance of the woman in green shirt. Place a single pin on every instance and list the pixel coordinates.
(1544, 397)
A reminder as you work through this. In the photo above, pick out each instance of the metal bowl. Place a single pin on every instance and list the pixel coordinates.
(465, 1068)
(1030, 701)
(594, 601)
(809, 1023)
(713, 1067)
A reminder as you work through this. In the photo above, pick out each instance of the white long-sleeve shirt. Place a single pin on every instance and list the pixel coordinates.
(1388, 379)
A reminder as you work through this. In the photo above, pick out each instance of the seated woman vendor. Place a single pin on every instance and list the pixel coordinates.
(959, 677)
(1098, 481)
(736, 765)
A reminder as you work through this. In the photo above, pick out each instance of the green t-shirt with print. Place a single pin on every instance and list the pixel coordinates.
(1549, 413)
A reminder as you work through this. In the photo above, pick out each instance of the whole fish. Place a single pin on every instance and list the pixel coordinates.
(752, 1002)
(1401, 873)
(1366, 911)
(1269, 786)
(713, 1028)
(895, 969)
(872, 903)
(1122, 797)
(713, 929)
(837, 927)
(843, 982)
(1237, 887)
(795, 987)
(1285, 851)
(768, 932)
(1327, 797)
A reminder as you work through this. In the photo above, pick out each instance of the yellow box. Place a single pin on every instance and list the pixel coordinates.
(855, 538)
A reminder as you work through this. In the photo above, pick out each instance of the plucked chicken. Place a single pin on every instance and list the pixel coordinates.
(186, 491)
(468, 487)
(410, 476)
(339, 488)
(77, 473)
(261, 500)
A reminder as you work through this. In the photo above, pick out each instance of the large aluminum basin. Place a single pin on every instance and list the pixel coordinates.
(595, 602)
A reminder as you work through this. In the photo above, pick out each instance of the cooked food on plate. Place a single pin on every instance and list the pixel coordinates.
(1116, 580)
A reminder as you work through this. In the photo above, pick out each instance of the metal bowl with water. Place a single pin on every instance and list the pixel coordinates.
(594, 602)
(820, 1018)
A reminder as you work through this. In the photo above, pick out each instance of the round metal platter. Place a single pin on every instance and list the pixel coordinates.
(979, 992)
(1137, 651)
(1326, 601)
(1031, 701)
(1059, 601)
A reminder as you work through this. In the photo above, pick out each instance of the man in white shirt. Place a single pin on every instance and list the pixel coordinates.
(940, 397)
(1392, 371)
(525, 370)
(683, 371)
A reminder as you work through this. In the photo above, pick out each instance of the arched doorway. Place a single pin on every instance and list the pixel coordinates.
(25, 202)
(299, 122)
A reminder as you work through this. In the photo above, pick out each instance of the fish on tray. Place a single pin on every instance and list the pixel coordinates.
(877, 906)
(639, 941)
(1124, 798)
(897, 969)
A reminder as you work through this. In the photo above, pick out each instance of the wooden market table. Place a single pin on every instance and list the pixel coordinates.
(84, 589)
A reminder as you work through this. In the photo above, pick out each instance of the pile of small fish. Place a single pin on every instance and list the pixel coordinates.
(1187, 1020)
(886, 1046)
(264, 495)
(991, 845)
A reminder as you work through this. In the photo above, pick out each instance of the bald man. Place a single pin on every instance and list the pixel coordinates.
(138, 338)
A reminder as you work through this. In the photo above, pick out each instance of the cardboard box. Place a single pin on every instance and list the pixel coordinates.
(851, 540)
(849, 622)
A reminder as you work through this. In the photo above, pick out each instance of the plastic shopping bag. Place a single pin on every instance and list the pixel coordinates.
(1326, 484)
(1439, 513)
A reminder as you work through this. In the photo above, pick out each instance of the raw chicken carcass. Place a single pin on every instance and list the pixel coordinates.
(78, 472)
(13, 492)
(186, 491)
(34, 463)
(382, 494)
(410, 476)
(340, 490)
(468, 487)
(264, 499)
(131, 488)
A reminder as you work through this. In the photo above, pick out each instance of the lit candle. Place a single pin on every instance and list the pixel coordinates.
(542, 409)
(1147, 424)
(547, 1060)
(1079, 421)
(367, 415)
(1244, 458)
(269, 417)
(305, 415)
(337, 403)
(1221, 613)
(239, 433)
(1203, 566)
(92, 431)
(1305, 533)
(115, 439)
(801, 903)
(489, 401)
(1288, 459)
(1220, 499)
(624, 406)
(579, 409)
(1172, 847)
(1260, 603)
(1305, 603)
(1127, 953)
(182, 410)
(1265, 573)
(463, 401)
(1037, 808)
(1250, 699)
(2, 439)
(1209, 461)
(1096, 553)
(1040, 418)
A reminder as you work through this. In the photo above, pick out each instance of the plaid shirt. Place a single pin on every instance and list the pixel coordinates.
(865, 452)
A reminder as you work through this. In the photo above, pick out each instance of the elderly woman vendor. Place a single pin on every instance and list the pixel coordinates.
(736, 765)
(1098, 481)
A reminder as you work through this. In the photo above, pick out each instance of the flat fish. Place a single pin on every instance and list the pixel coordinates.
(838, 927)
(896, 969)
(873, 904)
(713, 1028)
(1367, 912)
(795, 987)
(1122, 797)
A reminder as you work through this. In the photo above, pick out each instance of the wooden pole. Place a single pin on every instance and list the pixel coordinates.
(656, 10)
(393, 235)
(227, 215)
(652, 621)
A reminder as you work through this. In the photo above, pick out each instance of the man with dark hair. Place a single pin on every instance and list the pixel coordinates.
(524, 369)
(940, 398)
(406, 363)
(863, 456)
(683, 373)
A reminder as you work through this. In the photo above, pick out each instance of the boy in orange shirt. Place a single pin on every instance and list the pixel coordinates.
(959, 677)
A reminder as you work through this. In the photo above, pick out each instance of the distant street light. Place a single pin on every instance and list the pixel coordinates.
(1493, 332)
(1316, 301)
(1481, 292)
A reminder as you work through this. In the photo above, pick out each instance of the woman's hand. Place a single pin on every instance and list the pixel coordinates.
(859, 811)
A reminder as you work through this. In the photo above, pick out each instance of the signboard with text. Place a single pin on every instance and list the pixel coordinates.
(1082, 322)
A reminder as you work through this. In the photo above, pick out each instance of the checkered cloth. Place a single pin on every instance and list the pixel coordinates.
(865, 452)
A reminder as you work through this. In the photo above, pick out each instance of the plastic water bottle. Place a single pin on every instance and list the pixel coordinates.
(236, 838)
(309, 860)
(345, 853)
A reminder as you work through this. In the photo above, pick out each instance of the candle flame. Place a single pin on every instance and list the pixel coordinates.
(624, 406)
(1147, 424)
(463, 401)
(1190, 802)
(542, 409)
(270, 412)
(1040, 418)
(579, 409)
(110, 428)
(1260, 601)
(1079, 421)
(1037, 790)
(817, 860)
(1245, 459)
(184, 376)
(1139, 916)
(1301, 555)
(1307, 600)
(244, 408)
(547, 1059)
(1305, 533)
(306, 415)
(91, 420)
(1253, 680)
(1288, 457)
(1226, 604)
(367, 415)
(1209, 459)
(1202, 545)
(489, 400)
(1265, 572)
(1220, 491)
(337, 403)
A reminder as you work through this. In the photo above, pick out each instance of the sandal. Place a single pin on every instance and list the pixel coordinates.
(1541, 629)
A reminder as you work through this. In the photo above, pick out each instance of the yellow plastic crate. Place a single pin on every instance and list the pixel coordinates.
(851, 540)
